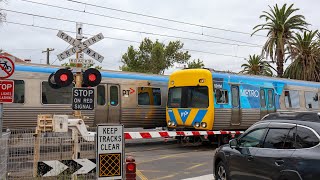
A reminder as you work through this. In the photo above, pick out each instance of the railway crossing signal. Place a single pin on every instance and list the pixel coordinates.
(91, 77)
(64, 77)
(88, 78)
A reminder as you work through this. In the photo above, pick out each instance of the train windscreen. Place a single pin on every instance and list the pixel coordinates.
(188, 97)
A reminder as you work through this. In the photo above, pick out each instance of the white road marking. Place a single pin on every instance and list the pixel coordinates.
(205, 177)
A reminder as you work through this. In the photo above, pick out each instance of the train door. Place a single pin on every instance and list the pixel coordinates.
(267, 104)
(270, 101)
(114, 107)
(107, 108)
(235, 100)
(101, 109)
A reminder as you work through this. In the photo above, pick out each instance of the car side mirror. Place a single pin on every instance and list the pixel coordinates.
(233, 143)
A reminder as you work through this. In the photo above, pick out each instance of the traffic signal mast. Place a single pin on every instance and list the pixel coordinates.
(80, 77)
(82, 93)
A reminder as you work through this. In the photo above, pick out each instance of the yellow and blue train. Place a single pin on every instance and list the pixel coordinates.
(203, 99)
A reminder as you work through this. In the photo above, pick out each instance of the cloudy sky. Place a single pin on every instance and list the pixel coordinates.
(221, 50)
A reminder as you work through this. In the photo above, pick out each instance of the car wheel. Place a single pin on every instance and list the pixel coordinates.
(221, 172)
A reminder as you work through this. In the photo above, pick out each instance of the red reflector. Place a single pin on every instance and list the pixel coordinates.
(64, 77)
(92, 77)
(131, 166)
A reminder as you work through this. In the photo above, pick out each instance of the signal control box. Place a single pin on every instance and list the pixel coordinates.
(60, 123)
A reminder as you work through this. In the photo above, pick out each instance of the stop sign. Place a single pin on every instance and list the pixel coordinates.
(6, 91)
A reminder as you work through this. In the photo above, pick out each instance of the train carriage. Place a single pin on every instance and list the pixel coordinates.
(203, 99)
(133, 99)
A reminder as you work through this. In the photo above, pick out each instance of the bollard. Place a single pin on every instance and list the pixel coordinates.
(130, 168)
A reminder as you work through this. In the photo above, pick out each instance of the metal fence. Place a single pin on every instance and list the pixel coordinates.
(53, 146)
(4, 154)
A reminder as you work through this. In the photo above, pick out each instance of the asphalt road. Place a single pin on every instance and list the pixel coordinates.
(171, 161)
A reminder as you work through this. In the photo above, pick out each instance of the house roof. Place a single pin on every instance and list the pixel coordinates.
(16, 58)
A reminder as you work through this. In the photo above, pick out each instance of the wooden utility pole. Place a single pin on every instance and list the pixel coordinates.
(48, 54)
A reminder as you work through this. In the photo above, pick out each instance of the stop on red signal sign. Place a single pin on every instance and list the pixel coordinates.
(6, 91)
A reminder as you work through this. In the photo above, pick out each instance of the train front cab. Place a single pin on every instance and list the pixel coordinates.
(190, 100)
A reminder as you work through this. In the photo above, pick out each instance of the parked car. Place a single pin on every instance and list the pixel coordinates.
(282, 146)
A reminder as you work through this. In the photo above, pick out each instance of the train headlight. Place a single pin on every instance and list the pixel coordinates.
(172, 82)
(169, 123)
(201, 80)
(203, 124)
(173, 124)
(197, 124)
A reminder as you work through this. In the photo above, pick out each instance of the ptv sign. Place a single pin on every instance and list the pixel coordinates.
(6, 91)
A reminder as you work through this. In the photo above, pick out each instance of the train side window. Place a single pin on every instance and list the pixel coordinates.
(19, 91)
(56, 96)
(221, 96)
(114, 96)
(262, 98)
(311, 99)
(235, 96)
(149, 96)
(101, 91)
(270, 98)
(291, 98)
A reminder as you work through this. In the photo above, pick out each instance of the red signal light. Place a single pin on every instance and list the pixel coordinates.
(131, 166)
(92, 77)
(63, 77)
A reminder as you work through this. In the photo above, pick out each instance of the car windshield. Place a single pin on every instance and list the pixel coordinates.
(188, 97)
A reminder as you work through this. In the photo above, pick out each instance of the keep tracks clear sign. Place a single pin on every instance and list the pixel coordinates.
(110, 151)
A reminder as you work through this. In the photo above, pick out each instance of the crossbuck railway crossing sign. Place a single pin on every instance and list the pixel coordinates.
(79, 46)
(110, 151)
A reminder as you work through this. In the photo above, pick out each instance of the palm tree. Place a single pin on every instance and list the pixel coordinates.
(280, 24)
(305, 53)
(256, 66)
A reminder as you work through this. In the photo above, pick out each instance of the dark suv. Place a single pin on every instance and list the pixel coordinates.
(282, 146)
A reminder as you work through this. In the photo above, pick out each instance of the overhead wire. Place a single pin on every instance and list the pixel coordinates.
(130, 30)
(139, 22)
(161, 18)
(55, 29)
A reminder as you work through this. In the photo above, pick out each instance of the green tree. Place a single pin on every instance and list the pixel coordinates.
(305, 53)
(280, 24)
(257, 66)
(195, 64)
(153, 57)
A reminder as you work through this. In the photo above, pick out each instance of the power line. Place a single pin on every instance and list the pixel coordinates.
(192, 50)
(130, 30)
(161, 18)
(138, 22)
(48, 28)
(57, 58)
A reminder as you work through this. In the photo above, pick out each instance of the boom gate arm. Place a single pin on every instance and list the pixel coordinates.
(61, 123)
